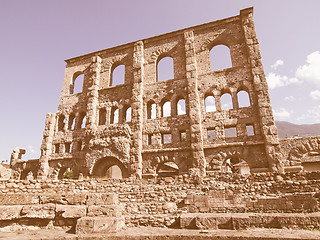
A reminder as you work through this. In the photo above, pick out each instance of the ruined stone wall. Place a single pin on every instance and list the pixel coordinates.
(156, 202)
(91, 132)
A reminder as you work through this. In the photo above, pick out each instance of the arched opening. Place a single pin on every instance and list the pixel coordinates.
(181, 107)
(235, 165)
(167, 169)
(114, 118)
(243, 99)
(127, 116)
(82, 120)
(226, 101)
(66, 173)
(28, 174)
(77, 83)
(220, 57)
(151, 110)
(61, 122)
(71, 121)
(109, 167)
(166, 109)
(165, 69)
(117, 75)
(210, 104)
(102, 116)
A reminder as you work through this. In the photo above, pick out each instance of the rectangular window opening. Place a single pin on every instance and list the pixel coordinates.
(183, 136)
(67, 147)
(230, 132)
(151, 139)
(166, 138)
(250, 130)
(211, 133)
(57, 148)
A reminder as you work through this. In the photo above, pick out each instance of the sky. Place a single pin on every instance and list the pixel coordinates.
(36, 37)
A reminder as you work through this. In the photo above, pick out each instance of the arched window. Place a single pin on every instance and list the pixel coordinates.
(81, 120)
(77, 83)
(102, 116)
(114, 116)
(166, 109)
(210, 104)
(117, 75)
(151, 110)
(181, 107)
(243, 99)
(61, 122)
(71, 121)
(226, 101)
(127, 116)
(220, 57)
(165, 69)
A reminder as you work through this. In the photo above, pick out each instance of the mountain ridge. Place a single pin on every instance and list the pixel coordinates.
(288, 130)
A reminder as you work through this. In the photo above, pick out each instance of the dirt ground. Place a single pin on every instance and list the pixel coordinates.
(167, 234)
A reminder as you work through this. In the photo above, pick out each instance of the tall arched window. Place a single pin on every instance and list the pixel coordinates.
(117, 75)
(210, 104)
(77, 83)
(151, 110)
(83, 120)
(71, 121)
(114, 118)
(102, 116)
(61, 122)
(226, 101)
(181, 107)
(127, 116)
(243, 99)
(165, 69)
(166, 109)
(220, 57)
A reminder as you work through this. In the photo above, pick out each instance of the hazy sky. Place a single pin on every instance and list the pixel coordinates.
(37, 35)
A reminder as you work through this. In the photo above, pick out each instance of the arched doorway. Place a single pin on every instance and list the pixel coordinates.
(235, 165)
(109, 167)
(167, 169)
(28, 174)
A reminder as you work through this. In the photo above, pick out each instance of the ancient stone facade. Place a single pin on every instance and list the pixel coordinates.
(144, 126)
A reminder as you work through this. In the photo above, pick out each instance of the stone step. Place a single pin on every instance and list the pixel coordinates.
(236, 221)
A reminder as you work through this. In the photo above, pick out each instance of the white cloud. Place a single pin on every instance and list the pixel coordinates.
(290, 98)
(315, 94)
(281, 114)
(275, 81)
(311, 116)
(277, 64)
(310, 72)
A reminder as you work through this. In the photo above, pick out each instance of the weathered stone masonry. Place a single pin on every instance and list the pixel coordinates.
(126, 125)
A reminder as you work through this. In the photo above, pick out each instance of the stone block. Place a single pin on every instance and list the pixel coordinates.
(38, 211)
(18, 199)
(103, 210)
(205, 221)
(102, 199)
(10, 212)
(74, 211)
(88, 225)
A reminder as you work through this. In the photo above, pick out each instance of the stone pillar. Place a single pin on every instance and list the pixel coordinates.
(46, 146)
(93, 92)
(137, 109)
(269, 129)
(199, 162)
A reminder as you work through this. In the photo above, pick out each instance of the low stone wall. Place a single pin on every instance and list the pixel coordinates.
(157, 202)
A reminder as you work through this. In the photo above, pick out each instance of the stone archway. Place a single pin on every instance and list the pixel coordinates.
(28, 173)
(229, 161)
(109, 167)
